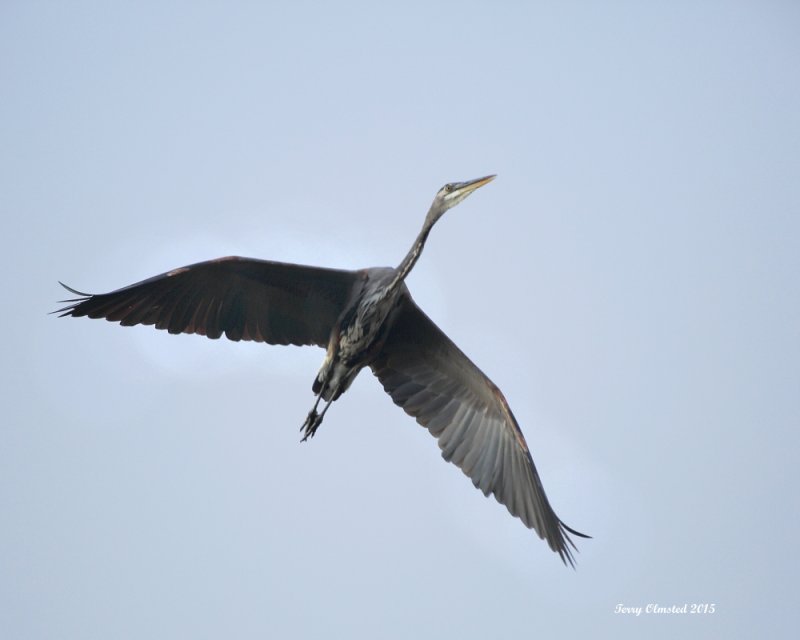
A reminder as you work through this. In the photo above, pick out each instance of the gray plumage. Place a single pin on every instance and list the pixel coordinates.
(362, 318)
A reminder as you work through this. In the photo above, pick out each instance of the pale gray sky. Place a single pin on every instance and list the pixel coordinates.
(630, 281)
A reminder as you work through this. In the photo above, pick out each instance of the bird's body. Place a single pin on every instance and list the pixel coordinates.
(358, 334)
(356, 338)
(363, 318)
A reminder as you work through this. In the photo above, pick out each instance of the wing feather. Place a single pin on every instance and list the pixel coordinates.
(242, 298)
(427, 375)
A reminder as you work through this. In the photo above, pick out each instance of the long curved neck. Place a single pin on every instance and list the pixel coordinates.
(404, 268)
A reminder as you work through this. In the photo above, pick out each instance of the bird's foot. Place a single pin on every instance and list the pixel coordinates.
(310, 426)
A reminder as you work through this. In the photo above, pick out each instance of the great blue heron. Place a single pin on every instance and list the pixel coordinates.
(363, 318)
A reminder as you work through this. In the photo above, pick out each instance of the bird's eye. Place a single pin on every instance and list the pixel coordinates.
(448, 188)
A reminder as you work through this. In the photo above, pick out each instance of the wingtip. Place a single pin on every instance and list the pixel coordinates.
(564, 551)
(71, 302)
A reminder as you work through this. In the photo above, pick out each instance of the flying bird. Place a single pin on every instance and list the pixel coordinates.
(364, 318)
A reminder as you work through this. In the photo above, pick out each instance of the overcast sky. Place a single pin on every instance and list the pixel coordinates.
(630, 281)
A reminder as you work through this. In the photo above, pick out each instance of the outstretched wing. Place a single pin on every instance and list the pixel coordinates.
(427, 375)
(243, 298)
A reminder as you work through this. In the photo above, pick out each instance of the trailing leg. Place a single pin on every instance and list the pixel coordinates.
(314, 419)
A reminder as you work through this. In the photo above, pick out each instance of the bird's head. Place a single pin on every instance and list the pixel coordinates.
(452, 193)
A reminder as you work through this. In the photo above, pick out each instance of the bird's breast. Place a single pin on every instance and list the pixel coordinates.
(364, 334)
